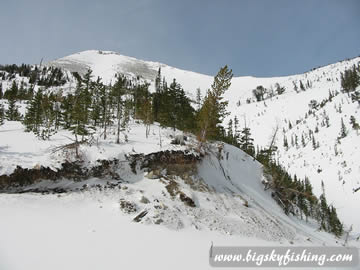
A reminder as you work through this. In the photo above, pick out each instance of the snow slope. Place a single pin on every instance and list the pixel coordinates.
(339, 173)
(88, 228)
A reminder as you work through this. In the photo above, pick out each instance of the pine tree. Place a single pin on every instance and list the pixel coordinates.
(33, 117)
(355, 125)
(198, 99)
(79, 116)
(158, 87)
(314, 143)
(12, 93)
(105, 106)
(236, 131)
(213, 109)
(286, 144)
(95, 111)
(343, 131)
(280, 90)
(335, 225)
(2, 114)
(12, 113)
(259, 93)
(230, 135)
(302, 86)
(295, 87)
(118, 90)
(1, 91)
(323, 209)
(290, 125)
(303, 140)
(246, 141)
(146, 113)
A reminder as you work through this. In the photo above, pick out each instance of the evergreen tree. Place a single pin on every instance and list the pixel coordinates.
(280, 90)
(236, 131)
(259, 93)
(1, 91)
(79, 116)
(33, 117)
(355, 125)
(12, 93)
(159, 89)
(290, 125)
(2, 114)
(314, 143)
(246, 142)
(213, 109)
(118, 90)
(343, 131)
(302, 86)
(12, 113)
(335, 225)
(198, 99)
(230, 135)
(286, 144)
(295, 87)
(303, 140)
(355, 97)
(105, 107)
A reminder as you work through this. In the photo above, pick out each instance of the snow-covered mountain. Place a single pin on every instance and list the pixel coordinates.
(216, 197)
(333, 162)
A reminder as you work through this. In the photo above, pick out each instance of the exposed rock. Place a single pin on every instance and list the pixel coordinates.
(187, 200)
(158, 221)
(172, 188)
(175, 162)
(144, 200)
(127, 207)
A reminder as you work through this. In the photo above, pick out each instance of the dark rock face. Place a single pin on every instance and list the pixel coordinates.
(187, 200)
(69, 170)
(128, 207)
(174, 162)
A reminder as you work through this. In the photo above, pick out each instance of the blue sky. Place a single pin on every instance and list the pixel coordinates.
(257, 38)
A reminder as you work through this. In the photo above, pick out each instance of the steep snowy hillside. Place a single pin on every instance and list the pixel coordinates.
(186, 202)
(333, 162)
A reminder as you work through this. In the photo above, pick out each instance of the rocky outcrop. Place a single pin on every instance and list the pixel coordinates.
(173, 162)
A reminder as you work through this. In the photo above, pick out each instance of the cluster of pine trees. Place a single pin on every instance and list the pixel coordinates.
(45, 76)
(240, 138)
(350, 79)
(171, 107)
(93, 104)
(295, 196)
